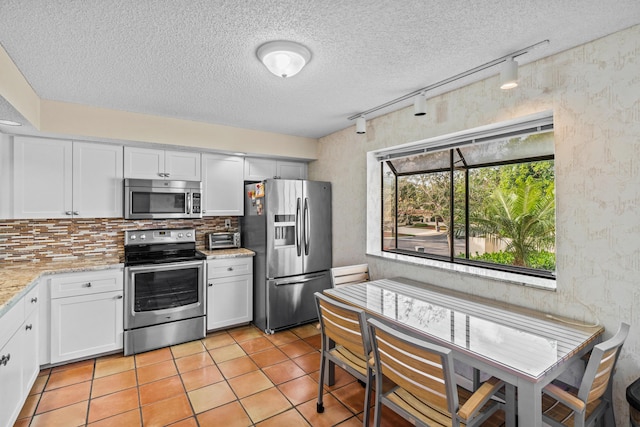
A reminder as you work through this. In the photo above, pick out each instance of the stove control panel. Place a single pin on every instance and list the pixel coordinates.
(155, 236)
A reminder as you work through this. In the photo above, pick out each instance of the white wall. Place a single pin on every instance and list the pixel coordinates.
(593, 91)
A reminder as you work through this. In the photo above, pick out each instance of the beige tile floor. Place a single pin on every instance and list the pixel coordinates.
(239, 377)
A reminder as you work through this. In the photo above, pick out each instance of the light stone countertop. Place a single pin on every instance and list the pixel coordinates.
(16, 279)
(228, 253)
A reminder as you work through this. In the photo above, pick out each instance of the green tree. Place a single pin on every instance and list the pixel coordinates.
(523, 217)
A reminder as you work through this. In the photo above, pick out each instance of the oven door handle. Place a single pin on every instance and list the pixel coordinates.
(167, 266)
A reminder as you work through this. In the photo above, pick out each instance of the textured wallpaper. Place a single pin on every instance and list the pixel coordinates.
(594, 93)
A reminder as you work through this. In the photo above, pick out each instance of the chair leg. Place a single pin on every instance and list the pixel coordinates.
(319, 405)
(609, 418)
(367, 397)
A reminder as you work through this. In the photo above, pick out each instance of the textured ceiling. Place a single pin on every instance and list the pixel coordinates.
(195, 59)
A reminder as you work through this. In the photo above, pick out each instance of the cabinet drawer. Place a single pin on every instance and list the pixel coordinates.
(226, 267)
(11, 321)
(67, 285)
(31, 301)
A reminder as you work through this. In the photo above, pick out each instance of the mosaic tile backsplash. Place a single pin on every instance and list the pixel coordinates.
(67, 239)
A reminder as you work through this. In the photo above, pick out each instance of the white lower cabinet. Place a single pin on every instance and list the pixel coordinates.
(229, 292)
(31, 362)
(86, 314)
(11, 393)
(19, 364)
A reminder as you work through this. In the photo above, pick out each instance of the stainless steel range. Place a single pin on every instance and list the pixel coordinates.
(164, 289)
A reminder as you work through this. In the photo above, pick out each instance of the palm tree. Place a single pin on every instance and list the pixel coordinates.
(523, 217)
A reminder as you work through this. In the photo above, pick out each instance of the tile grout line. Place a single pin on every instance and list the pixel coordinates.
(236, 340)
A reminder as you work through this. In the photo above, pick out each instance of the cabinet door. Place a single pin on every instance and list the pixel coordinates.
(143, 163)
(259, 169)
(182, 165)
(42, 178)
(229, 301)
(6, 176)
(291, 170)
(97, 180)
(11, 390)
(223, 185)
(30, 351)
(86, 325)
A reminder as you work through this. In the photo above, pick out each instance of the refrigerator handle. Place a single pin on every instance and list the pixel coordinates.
(306, 226)
(298, 228)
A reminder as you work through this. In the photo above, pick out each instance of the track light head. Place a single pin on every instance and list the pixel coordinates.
(361, 125)
(509, 74)
(420, 105)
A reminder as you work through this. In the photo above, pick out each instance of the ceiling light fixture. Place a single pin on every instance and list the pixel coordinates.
(420, 105)
(424, 90)
(283, 58)
(509, 74)
(361, 125)
(9, 123)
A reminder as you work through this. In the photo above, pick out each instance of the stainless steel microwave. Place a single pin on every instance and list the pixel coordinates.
(160, 199)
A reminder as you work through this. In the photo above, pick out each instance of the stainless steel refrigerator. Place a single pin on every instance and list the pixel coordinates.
(287, 223)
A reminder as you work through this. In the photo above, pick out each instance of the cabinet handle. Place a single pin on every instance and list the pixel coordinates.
(68, 213)
(119, 297)
(87, 285)
(229, 268)
(76, 213)
(5, 359)
(28, 327)
(210, 285)
(167, 175)
(34, 300)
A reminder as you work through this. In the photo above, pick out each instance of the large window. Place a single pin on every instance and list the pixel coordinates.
(488, 202)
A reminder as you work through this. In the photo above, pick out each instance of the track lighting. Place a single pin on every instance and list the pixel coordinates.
(420, 105)
(509, 74)
(508, 80)
(361, 125)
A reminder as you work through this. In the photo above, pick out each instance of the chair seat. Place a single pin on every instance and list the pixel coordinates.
(561, 413)
(434, 416)
(350, 358)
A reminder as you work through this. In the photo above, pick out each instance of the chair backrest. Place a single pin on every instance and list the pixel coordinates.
(420, 367)
(349, 274)
(345, 325)
(599, 371)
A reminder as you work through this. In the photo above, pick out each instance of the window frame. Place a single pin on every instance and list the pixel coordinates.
(520, 127)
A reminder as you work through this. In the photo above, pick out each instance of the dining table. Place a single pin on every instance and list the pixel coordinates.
(525, 348)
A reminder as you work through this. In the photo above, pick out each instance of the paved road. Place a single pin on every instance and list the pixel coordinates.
(432, 241)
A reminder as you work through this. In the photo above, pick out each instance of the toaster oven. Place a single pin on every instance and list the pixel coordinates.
(223, 240)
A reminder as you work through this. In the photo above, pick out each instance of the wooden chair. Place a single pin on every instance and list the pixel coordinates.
(349, 274)
(415, 379)
(345, 342)
(564, 406)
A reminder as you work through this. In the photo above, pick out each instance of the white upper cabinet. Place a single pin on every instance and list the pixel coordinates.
(149, 163)
(62, 179)
(182, 165)
(260, 169)
(97, 180)
(291, 170)
(222, 185)
(42, 178)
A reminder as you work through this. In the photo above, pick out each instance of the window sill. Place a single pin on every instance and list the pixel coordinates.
(502, 276)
